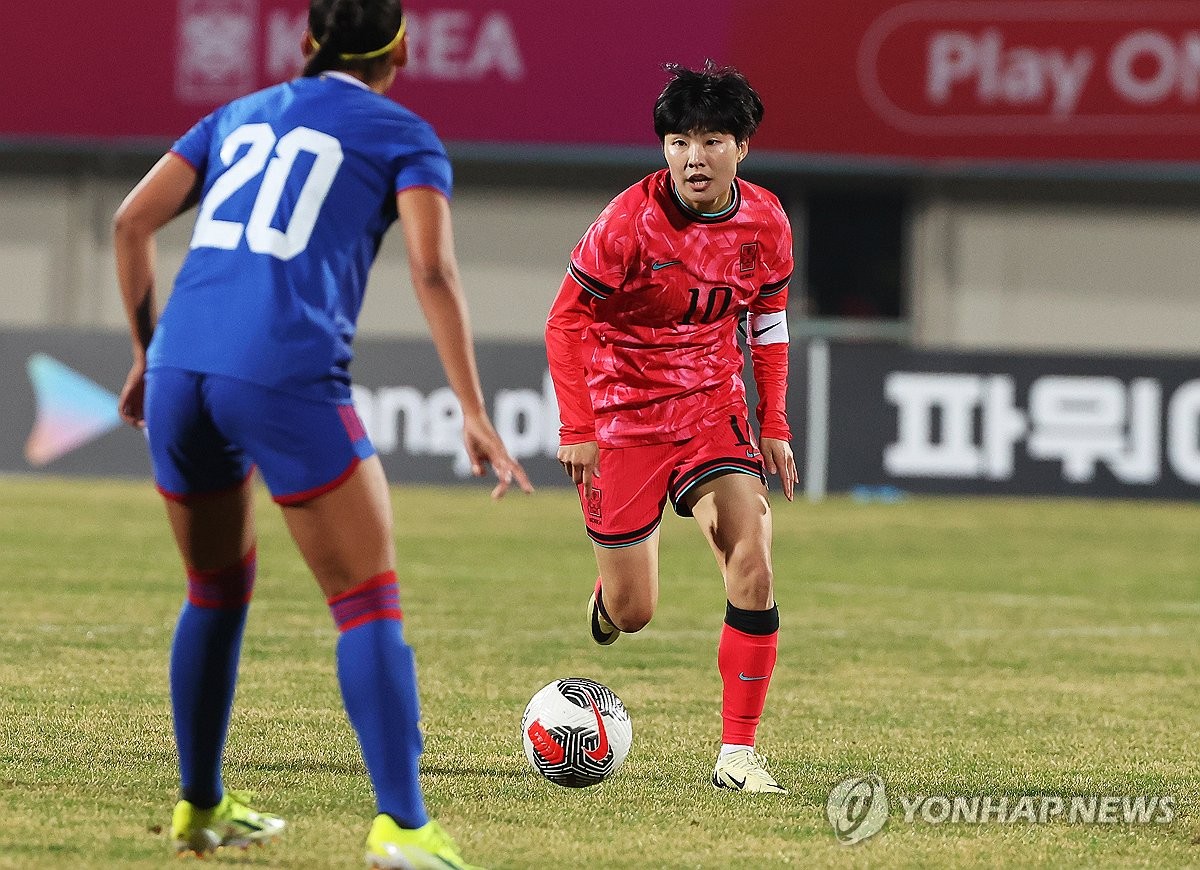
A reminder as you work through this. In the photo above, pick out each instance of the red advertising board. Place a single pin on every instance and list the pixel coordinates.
(512, 71)
(982, 80)
(928, 80)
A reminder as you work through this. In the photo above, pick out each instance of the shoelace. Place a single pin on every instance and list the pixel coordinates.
(750, 761)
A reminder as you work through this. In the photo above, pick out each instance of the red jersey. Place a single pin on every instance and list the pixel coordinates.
(642, 338)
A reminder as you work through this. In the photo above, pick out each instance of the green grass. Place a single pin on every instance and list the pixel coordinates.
(953, 646)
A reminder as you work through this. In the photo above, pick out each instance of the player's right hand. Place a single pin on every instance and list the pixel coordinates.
(580, 462)
(131, 403)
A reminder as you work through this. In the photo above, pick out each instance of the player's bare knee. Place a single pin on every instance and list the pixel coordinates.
(630, 616)
(750, 585)
(635, 622)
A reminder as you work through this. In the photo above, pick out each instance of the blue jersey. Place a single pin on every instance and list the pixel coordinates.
(298, 186)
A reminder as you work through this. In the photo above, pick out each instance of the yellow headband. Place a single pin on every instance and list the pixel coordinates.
(368, 55)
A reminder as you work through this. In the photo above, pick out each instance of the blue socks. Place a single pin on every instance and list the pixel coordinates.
(379, 687)
(203, 673)
(375, 669)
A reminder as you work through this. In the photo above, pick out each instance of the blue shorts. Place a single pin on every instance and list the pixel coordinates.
(207, 433)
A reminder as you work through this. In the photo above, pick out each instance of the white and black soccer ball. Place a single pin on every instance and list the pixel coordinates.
(576, 732)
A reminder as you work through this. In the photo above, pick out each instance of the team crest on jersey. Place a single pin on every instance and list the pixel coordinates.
(593, 505)
(748, 258)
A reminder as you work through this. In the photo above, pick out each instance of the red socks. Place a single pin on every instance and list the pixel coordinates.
(746, 659)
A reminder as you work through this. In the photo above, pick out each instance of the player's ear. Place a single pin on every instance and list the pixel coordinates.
(400, 53)
(743, 149)
(308, 45)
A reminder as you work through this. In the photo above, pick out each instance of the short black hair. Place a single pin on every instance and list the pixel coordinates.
(351, 27)
(713, 99)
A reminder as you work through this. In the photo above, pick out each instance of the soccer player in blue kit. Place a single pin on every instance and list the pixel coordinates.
(249, 366)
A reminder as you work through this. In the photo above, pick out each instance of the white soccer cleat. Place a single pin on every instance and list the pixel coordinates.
(745, 770)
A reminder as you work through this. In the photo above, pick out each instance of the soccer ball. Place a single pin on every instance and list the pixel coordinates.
(576, 732)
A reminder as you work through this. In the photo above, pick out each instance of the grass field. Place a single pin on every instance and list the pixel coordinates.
(951, 646)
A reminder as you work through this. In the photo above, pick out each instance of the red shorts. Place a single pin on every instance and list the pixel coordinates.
(634, 483)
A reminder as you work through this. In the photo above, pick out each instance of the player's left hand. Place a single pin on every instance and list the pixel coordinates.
(778, 459)
(484, 448)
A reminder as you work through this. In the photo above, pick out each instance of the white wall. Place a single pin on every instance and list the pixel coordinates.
(1059, 277)
(986, 273)
(513, 249)
(56, 265)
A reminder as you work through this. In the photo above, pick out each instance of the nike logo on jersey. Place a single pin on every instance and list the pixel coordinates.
(750, 679)
(601, 750)
(757, 332)
(662, 264)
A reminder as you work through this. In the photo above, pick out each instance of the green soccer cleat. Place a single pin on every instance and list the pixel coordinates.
(229, 823)
(745, 770)
(428, 847)
(603, 631)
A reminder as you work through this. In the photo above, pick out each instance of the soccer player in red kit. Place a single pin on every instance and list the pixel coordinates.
(643, 350)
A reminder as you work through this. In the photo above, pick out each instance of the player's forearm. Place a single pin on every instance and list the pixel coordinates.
(564, 354)
(166, 191)
(578, 423)
(445, 308)
(770, 364)
(134, 250)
